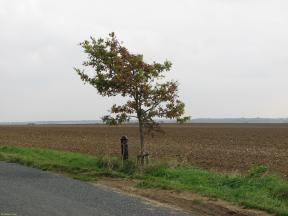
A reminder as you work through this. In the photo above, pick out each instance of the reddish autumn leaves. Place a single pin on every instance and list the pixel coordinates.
(119, 72)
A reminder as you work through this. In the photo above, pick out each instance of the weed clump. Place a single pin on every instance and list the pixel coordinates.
(257, 171)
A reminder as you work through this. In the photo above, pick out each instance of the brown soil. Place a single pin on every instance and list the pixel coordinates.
(221, 147)
(183, 201)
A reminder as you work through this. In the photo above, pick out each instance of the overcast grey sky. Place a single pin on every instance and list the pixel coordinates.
(230, 56)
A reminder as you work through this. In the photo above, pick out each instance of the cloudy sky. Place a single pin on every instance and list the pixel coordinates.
(230, 56)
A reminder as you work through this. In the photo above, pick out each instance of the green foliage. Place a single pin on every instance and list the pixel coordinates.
(129, 167)
(156, 170)
(280, 191)
(183, 120)
(264, 192)
(119, 72)
(256, 190)
(257, 171)
(119, 119)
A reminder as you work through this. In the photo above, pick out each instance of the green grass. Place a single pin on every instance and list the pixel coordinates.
(257, 189)
(79, 166)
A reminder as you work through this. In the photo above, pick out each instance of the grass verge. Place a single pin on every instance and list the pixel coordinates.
(257, 189)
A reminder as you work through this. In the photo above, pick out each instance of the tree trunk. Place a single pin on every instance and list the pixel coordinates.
(141, 133)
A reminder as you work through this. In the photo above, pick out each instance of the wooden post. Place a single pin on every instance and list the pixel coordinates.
(124, 148)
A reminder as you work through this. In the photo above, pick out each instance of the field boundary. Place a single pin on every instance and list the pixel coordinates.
(258, 190)
(225, 148)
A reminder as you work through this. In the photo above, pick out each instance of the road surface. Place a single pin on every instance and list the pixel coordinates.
(27, 191)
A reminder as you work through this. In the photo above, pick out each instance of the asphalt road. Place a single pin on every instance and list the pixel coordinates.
(27, 191)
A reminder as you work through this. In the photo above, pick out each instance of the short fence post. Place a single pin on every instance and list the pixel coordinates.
(124, 148)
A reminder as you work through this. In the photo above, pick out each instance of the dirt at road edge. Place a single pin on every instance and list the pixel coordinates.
(184, 201)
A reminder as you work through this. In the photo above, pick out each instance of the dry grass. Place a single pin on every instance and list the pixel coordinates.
(222, 147)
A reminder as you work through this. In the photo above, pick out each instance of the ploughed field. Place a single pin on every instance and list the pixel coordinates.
(221, 147)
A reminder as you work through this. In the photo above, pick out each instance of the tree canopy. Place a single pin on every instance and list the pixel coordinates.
(119, 72)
